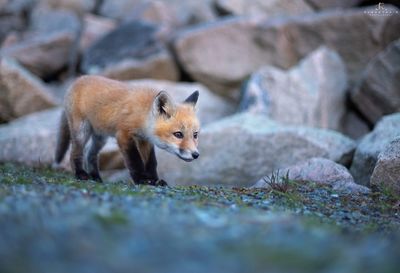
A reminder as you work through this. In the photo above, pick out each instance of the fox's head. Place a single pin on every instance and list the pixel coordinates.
(175, 127)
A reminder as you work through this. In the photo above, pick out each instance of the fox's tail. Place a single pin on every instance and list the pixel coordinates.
(63, 139)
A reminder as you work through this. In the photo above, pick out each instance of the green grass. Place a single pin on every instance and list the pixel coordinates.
(301, 198)
(115, 217)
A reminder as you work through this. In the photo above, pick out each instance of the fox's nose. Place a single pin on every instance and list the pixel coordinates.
(195, 155)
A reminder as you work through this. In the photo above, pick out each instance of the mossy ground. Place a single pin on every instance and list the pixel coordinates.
(54, 223)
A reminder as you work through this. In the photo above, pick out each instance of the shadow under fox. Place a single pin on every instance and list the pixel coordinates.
(140, 118)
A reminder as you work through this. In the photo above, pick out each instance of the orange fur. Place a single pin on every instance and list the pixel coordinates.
(137, 116)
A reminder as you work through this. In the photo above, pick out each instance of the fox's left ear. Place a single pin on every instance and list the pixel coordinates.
(163, 105)
(192, 99)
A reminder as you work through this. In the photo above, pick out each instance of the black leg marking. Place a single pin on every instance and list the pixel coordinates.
(134, 162)
(81, 175)
(76, 161)
(151, 169)
(91, 160)
(142, 173)
(151, 165)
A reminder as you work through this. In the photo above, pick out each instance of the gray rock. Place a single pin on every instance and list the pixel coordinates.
(222, 54)
(31, 140)
(45, 20)
(94, 28)
(118, 9)
(133, 50)
(159, 65)
(21, 92)
(79, 7)
(156, 12)
(313, 93)
(354, 125)
(366, 155)
(239, 150)
(16, 7)
(329, 4)
(268, 9)
(321, 171)
(10, 23)
(386, 173)
(190, 12)
(43, 55)
(187, 12)
(378, 94)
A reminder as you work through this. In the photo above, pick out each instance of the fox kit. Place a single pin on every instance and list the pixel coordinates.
(140, 118)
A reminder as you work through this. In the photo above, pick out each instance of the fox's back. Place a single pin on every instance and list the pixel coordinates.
(107, 103)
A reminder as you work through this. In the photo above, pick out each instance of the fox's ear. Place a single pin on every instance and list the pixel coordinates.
(163, 105)
(192, 99)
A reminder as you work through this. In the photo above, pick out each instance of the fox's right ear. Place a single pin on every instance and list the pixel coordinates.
(163, 105)
(192, 99)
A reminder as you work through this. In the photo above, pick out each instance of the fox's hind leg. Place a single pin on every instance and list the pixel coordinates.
(91, 155)
(80, 133)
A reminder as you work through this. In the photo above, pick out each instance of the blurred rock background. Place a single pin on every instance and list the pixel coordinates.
(283, 83)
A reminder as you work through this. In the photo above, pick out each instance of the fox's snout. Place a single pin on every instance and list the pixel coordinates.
(188, 155)
(195, 155)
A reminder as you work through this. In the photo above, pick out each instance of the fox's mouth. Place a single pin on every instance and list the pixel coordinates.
(185, 158)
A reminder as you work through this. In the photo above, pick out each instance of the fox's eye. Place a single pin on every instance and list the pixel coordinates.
(178, 134)
(195, 135)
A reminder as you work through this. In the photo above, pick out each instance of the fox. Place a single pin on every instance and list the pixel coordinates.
(140, 118)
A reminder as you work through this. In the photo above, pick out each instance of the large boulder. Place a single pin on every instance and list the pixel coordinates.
(378, 94)
(31, 140)
(268, 9)
(156, 12)
(330, 4)
(313, 93)
(10, 23)
(79, 7)
(16, 7)
(21, 92)
(159, 65)
(187, 12)
(386, 173)
(222, 54)
(12, 15)
(94, 28)
(354, 124)
(239, 150)
(46, 20)
(44, 54)
(366, 155)
(320, 171)
(133, 50)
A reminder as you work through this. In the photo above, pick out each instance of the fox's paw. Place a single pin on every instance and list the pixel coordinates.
(96, 177)
(161, 183)
(152, 182)
(82, 175)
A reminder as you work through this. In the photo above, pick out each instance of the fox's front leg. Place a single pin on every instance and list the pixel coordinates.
(151, 166)
(140, 159)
